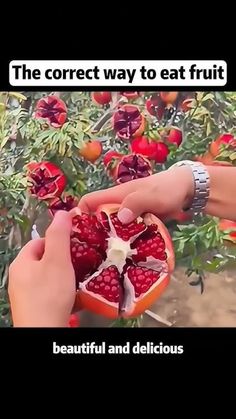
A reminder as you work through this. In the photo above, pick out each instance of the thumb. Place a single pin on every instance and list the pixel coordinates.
(57, 240)
(133, 206)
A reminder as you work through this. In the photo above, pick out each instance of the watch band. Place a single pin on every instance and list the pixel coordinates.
(201, 183)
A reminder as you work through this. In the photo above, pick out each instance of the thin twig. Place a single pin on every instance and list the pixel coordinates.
(158, 318)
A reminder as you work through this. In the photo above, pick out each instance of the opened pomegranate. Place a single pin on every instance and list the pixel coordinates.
(145, 146)
(66, 203)
(155, 107)
(45, 180)
(53, 109)
(133, 166)
(120, 269)
(91, 151)
(101, 98)
(128, 122)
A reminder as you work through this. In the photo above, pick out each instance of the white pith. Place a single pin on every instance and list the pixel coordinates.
(118, 251)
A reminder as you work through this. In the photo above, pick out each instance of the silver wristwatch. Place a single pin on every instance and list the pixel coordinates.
(201, 182)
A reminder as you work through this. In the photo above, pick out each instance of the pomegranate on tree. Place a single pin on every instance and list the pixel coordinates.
(101, 98)
(216, 145)
(120, 269)
(130, 95)
(45, 180)
(155, 106)
(162, 152)
(128, 122)
(66, 203)
(145, 146)
(175, 136)
(229, 228)
(91, 151)
(132, 166)
(110, 161)
(168, 97)
(53, 109)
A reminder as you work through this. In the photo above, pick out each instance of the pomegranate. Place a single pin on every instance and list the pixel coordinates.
(186, 105)
(132, 166)
(168, 97)
(162, 152)
(128, 122)
(91, 151)
(66, 203)
(45, 180)
(145, 146)
(101, 98)
(175, 136)
(216, 145)
(155, 107)
(53, 109)
(130, 95)
(110, 161)
(74, 320)
(120, 269)
(229, 228)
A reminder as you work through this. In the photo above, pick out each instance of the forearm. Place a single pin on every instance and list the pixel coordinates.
(222, 199)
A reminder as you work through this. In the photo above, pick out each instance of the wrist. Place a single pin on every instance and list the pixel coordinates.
(186, 181)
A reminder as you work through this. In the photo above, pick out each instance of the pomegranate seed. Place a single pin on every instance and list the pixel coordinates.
(103, 288)
(149, 278)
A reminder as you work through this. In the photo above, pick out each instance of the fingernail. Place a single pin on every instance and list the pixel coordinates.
(125, 215)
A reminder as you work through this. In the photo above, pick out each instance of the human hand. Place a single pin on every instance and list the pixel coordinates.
(42, 280)
(163, 194)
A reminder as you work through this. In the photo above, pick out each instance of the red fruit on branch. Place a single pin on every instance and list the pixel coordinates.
(229, 228)
(45, 180)
(155, 107)
(127, 267)
(66, 203)
(133, 166)
(216, 145)
(91, 151)
(53, 109)
(145, 146)
(101, 98)
(130, 95)
(110, 161)
(128, 122)
(168, 97)
(175, 136)
(186, 105)
(74, 320)
(161, 153)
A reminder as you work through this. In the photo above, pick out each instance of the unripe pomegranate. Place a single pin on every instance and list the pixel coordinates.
(91, 151)
(120, 269)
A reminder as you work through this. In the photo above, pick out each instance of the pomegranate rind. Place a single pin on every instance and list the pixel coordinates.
(85, 300)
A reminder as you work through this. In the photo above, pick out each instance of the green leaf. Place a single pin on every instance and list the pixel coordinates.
(18, 96)
(4, 142)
